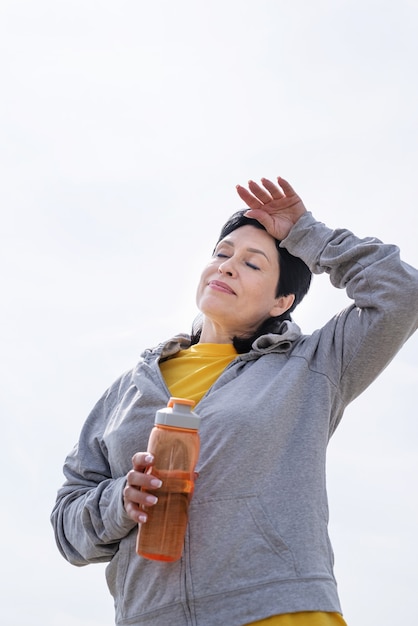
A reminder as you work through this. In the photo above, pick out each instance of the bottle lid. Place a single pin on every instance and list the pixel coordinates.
(178, 413)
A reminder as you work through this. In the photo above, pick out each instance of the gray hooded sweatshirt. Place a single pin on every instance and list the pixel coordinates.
(257, 541)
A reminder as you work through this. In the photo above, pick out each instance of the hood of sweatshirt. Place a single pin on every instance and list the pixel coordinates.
(281, 341)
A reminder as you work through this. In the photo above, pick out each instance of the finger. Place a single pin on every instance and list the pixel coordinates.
(287, 188)
(248, 198)
(139, 480)
(261, 216)
(142, 460)
(136, 514)
(272, 188)
(259, 192)
(139, 497)
(136, 501)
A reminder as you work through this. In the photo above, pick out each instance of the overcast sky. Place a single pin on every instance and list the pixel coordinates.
(125, 127)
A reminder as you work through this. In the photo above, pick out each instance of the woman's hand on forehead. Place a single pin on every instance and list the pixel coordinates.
(276, 206)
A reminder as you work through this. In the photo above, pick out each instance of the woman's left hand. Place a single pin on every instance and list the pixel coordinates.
(276, 206)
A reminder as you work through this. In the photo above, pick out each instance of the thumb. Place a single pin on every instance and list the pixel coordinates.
(260, 215)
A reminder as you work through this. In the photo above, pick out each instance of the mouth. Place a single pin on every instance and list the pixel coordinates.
(218, 285)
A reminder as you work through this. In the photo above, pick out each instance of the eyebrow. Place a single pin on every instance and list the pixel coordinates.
(255, 250)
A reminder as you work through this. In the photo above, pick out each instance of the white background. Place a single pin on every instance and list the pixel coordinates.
(125, 127)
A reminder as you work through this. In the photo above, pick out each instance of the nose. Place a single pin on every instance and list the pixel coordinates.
(226, 267)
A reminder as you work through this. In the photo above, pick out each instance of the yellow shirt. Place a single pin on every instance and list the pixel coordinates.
(189, 374)
(307, 618)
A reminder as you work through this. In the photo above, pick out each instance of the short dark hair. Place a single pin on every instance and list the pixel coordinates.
(295, 278)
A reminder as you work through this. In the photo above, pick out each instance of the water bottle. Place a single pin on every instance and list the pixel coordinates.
(174, 443)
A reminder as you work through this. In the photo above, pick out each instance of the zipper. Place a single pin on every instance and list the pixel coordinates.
(188, 604)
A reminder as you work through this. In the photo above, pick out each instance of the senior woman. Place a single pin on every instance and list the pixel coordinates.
(257, 548)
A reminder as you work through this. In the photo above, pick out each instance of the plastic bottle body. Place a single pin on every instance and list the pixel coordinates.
(176, 452)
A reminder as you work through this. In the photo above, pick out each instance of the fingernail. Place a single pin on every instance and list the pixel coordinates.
(156, 482)
(149, 458)
(151, 499)
(142, 518)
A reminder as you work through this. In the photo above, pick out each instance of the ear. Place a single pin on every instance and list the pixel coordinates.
(282, 304)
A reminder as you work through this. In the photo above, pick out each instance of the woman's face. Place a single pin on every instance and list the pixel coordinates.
(237, 289)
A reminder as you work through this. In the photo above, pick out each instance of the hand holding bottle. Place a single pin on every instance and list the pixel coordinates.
(174, 440)
(134, 498)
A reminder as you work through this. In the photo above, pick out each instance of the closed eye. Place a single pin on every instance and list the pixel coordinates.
(222, 255)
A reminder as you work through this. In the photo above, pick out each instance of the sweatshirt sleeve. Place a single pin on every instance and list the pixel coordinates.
(89, 518)
(359, 342)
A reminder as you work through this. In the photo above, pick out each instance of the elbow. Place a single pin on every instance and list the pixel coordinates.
(64, 546)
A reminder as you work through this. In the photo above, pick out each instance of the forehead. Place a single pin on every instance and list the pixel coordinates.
(253, 240)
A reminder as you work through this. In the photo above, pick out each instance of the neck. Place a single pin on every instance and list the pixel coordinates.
(212, 333)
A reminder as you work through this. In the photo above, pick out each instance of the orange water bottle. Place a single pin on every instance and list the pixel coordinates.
(174, 443)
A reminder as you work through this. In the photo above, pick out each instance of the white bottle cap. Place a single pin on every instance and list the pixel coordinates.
(178, 413)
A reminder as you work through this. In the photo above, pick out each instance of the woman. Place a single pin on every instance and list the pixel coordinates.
(257, 548)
